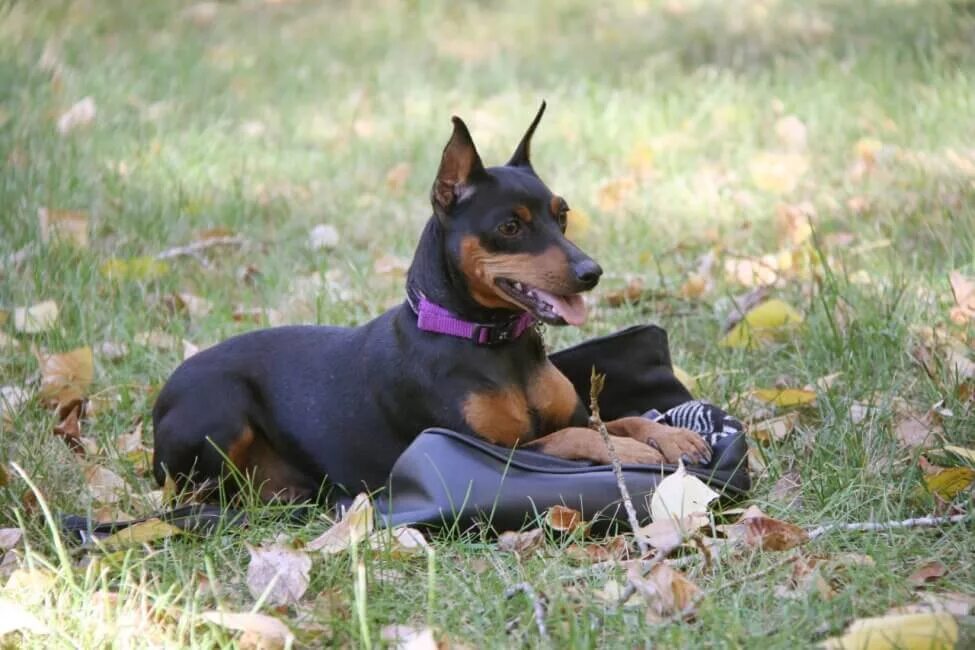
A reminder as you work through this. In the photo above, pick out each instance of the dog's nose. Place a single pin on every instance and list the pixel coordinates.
(587, 272)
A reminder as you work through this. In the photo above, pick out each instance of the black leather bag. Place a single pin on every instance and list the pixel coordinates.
(448, 480)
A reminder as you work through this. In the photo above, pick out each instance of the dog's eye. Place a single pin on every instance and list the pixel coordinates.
(510, 228)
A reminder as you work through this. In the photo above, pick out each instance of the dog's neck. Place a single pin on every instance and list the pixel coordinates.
(434, 275)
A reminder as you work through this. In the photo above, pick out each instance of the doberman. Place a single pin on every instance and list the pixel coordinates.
(292, 407)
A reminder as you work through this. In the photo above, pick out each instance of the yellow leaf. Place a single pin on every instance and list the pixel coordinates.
(964, 452)
(927, 631)
(785, 397)
(948, 483)
(761, 324)
(36, 318)
(144, 532)
(134, 268)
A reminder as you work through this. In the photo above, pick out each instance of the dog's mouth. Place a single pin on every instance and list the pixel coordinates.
(545, 306)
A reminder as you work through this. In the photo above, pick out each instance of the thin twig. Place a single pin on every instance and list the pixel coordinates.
(538, 606)
(917, 522)
(196, 249)
(596, 422)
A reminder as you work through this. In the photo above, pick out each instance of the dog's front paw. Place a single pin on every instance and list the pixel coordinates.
(673, 443)
(630, 452)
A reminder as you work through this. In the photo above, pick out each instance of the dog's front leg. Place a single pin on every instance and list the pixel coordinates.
(580, 443)
(673, 443)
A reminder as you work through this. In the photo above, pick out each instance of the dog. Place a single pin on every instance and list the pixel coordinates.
(297, 408)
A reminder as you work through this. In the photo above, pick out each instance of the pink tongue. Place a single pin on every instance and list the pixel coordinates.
(572, 308)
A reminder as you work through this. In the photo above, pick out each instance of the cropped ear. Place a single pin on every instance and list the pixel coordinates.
(521, 157)
(460, 168)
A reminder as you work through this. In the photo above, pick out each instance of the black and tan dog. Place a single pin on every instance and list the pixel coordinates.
(294, 407)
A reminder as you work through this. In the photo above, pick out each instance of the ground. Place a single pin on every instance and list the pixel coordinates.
(682, 133)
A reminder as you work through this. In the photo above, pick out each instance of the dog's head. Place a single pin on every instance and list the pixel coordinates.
(505, 233)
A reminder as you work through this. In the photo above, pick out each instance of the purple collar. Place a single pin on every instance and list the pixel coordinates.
(431, 317)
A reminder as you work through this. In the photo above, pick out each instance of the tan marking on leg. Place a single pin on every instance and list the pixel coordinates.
(672, 442)
(500, 416)
(552, 396)
(239, 450)
(275, 478)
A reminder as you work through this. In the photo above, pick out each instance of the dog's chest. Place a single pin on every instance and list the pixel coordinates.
(522, 411)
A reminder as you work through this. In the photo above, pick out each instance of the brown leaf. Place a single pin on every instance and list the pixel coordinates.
(283, 565)
(613, 549)
(757, 530)
(70, 428)
(667, 592)
(36, 318)
(65, 378)
(963, 289)
(928, 572)
(67, 226)
(521, 543)
(564, 519)
(915, 431)
(353, 527)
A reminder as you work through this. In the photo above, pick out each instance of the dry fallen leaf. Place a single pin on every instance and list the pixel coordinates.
(10, 537)
(757, 530)
(354, 526)
(82, 113)
(915, 431)
(283, 565)
(521, 543)
(667, 592)
(680, 495)
(963, 289)
(66, 377)
(613, 549)
(668, 533)
(265, 632)
(777, 428)
(404, 637)
(401, 541)
(144, 532)
(36, 318)
(104, 485)
(68, 226)
(762, 324)
(564, 519)
(928, 572)
(927, 631)
(962, 452)
(14, 618)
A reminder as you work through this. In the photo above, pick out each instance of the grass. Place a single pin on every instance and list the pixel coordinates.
(267, 118)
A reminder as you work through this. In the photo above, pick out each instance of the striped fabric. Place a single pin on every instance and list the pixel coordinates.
(707, 419)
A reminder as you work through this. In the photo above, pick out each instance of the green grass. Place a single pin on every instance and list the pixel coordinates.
(342, 93)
